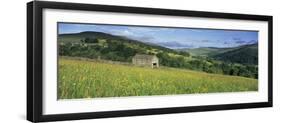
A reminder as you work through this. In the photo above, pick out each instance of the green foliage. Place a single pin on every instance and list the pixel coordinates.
(90, 40)
(89, 79)
(244, 55)
(183, 53)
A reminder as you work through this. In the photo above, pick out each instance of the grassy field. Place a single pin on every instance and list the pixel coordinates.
(86, 79)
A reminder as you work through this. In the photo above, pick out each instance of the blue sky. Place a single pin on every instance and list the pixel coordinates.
(173, 38)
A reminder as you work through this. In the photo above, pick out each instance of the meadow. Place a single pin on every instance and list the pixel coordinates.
(95, 79)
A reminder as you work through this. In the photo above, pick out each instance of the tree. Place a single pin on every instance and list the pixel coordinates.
(187, 54)
(91, 40)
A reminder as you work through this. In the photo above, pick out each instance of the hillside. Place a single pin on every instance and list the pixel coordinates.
(77, 37)
(112, 47)
(206, 51)
(247, 54)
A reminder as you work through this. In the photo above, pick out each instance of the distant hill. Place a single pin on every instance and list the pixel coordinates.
(106, 46)
(206, 51)
(76, 37)
(247, 54)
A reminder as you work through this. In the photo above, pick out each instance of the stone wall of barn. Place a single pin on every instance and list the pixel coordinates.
(146, 62)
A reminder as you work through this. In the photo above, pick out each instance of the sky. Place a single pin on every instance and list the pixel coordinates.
(174, 38)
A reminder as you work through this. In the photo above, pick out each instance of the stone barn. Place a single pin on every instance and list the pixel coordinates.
(146, 60)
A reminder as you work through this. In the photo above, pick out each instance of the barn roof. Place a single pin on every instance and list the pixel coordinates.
(144, 56)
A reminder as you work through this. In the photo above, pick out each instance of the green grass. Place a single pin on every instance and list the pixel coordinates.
(89, 79)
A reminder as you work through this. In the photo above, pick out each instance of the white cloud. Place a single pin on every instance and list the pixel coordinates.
(123, 32)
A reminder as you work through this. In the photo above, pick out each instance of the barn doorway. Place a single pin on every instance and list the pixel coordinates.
(154, 65)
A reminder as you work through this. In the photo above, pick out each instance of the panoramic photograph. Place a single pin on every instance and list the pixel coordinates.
(105, 60)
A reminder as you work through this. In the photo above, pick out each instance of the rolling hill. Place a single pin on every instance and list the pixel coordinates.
(77, 37)
(206, 51)
(247, 54)
(106, 46)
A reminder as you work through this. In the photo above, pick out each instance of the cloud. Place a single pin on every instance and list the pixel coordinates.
(126, 33)
(236, 39)
(205, 40)
(150, 29)
(146, 38)
(252, 42)
(141, 29)
(175, 45)
(132, 34)
(240, 42)
(195, 30)
(226, 42)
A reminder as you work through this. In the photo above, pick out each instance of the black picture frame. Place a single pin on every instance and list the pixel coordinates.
(35, 69)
